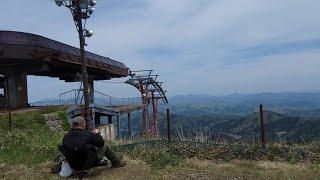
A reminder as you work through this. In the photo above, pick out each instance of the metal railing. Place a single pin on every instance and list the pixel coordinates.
(75, 97)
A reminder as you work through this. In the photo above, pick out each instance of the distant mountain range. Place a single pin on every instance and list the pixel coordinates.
(276, 126)
(297, 117)
(302, 104)
(273, 99)
(305, 104)
(290, 100)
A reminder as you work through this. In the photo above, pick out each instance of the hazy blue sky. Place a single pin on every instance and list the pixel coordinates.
(197, 46)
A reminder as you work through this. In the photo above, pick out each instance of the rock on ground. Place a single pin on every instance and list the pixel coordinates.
(54, 122)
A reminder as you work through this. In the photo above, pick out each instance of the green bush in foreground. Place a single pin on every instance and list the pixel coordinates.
(63, 116)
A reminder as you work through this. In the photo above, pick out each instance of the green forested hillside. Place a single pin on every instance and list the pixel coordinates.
(278, 126)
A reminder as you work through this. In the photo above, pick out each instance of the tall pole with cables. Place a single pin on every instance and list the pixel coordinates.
(81, 10)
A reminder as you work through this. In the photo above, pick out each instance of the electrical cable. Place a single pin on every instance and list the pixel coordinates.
(110, 82)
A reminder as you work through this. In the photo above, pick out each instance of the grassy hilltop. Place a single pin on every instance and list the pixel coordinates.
(28, 151)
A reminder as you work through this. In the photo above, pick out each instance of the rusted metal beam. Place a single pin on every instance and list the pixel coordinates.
(148, 127)
(145, 124)
(155, 130)
(146, 83)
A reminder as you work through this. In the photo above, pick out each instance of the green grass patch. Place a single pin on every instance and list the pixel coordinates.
(29, 141)
(292, 153)
(157, 158)
(51, 109)
(63, 116)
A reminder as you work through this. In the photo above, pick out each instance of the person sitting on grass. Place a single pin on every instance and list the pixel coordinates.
(79, 136)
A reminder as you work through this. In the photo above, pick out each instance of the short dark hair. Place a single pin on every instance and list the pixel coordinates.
(77, 121)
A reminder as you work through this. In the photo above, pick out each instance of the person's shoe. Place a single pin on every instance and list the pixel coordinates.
(119, 164)
(103, 163)
(56, 168)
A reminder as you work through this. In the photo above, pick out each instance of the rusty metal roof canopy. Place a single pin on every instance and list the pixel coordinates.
(37, 55)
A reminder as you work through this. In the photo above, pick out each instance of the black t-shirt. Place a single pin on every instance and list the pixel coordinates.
(79, 137)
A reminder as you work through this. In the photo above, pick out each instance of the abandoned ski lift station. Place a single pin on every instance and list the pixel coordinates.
(23, 54)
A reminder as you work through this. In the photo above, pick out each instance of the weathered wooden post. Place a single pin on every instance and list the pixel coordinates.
(129, 124)
(169, 125)
(118, 125)
(263, 138)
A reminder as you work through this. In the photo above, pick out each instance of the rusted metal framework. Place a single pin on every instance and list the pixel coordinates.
(151, 91)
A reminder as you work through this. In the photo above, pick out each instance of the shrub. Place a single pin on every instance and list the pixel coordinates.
(64, 118)
(157, 157)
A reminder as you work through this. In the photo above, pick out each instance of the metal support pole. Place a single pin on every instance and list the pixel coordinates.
(263, 138)
(118, 125)
(148, 127)
(109, 119)
(91, 91)
(97, 119)
(155, 116)
(129, 124)
(169, 125)
(93, 118)
(144, 125)
(84, 69)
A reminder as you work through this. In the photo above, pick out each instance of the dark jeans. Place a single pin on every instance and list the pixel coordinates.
(106, 151)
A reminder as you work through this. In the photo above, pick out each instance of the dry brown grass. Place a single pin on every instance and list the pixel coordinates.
(189, 169)
(239, 169)
(134, 169)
